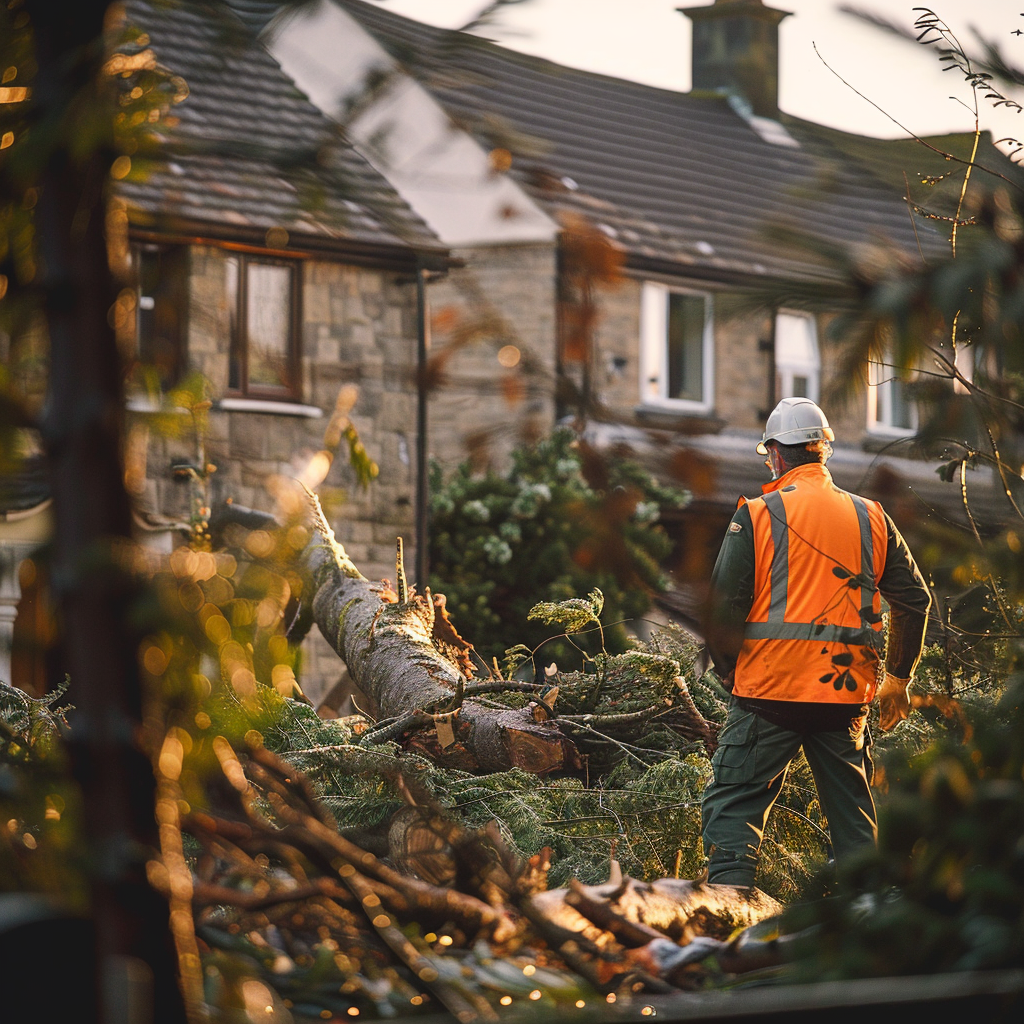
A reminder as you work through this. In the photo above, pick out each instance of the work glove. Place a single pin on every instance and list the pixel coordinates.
(893, 702)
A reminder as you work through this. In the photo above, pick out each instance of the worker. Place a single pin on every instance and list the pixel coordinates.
(795, 629)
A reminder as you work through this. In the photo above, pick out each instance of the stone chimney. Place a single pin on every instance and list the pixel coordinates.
(736, 50)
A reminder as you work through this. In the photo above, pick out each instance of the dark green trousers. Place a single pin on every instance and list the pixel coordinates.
(750, 767)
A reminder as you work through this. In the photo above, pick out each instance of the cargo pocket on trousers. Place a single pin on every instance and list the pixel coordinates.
(735, 759)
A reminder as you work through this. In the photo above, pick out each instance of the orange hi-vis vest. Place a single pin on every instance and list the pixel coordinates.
(814, 632)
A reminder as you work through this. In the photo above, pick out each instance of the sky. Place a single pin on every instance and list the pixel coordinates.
(648, 41)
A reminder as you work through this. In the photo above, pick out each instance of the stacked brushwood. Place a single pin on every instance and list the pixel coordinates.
(292, 914)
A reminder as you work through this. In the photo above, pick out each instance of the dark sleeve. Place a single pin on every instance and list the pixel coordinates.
(732, 593)
(904, 588)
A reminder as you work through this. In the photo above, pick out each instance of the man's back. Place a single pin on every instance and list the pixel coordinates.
(813, 632)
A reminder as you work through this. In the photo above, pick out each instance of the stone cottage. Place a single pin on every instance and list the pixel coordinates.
(667, 262)
(279, 300)
(732, 225)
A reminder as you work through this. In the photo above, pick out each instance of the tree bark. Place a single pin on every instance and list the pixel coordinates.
(97, 597)
(397, 655)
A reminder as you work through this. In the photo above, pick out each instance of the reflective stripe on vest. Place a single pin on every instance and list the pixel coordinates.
(776, 628)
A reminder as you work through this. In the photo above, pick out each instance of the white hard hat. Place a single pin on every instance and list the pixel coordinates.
(795, 421)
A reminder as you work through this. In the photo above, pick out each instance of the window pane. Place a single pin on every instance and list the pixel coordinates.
(231, 300)
(901, 411)
(794, 341)
(162, 302)
(269, 314)
(685, 347)
(796, 355)
(889, 400)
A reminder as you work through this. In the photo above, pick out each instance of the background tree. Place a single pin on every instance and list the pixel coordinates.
(59, 151)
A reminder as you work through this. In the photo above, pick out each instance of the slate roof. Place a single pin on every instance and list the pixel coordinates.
(676, 178)
(250, 152)
(935, 182)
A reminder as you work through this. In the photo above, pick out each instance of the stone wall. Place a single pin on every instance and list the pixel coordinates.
(742, 369)
(502, 296)
(616, 366)
(358, 329)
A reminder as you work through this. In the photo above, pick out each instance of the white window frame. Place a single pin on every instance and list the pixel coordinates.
(882, 377)
(786, 371)
(654, 300)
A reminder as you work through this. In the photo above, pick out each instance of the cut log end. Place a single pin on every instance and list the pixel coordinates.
(541, 753)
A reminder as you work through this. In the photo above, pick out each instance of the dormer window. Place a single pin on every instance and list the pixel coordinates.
(677, 353)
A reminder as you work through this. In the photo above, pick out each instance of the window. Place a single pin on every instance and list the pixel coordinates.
(263, 305)
(162, 275)
(797, 363)
(677, 339)
(969, 361)
(891, 409)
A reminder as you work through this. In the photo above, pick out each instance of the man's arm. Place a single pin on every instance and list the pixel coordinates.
(731, 594)
(906, 592)
(904, 588)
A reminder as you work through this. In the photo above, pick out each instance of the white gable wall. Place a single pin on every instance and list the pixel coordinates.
(437, 168)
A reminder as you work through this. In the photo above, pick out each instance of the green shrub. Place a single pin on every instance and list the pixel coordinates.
(547, 531)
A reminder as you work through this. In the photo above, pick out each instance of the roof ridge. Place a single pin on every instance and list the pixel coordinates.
(507, 52)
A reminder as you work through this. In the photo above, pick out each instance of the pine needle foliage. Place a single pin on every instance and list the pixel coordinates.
(944, 891)
(637, 799)
(39, 805)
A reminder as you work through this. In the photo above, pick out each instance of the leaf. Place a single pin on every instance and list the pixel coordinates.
(514, 657)
(826, 678)
(365, 468)
(843, 574)
(844, 659)
(573, 615)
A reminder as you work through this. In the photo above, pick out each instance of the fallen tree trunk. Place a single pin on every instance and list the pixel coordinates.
(404, 656)
(636, 912)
